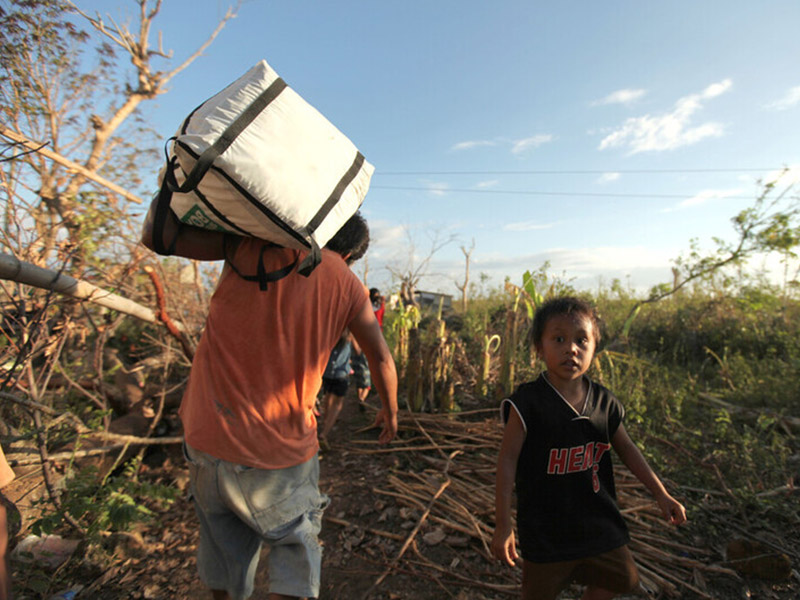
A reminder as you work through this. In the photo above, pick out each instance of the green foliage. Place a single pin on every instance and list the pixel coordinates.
(115, 503)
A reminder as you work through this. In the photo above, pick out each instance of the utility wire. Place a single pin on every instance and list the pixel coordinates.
(581, 171)
(535, 193)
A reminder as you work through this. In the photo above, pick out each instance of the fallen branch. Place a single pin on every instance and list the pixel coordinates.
(414, 531)
(164, 317)
(788, 422)
(123, 439)
(22, 272)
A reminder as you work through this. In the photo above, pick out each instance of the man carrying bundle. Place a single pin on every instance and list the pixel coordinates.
(247, 412)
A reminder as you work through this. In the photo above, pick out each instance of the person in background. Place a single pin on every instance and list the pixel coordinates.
(335, 381)
(248, 410)
(378, 304)
(558, 430)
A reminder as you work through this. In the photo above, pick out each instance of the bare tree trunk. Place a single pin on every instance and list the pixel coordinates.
(463, 287)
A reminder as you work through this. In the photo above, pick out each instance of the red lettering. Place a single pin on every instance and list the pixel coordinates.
(575, 459)
(599, 449)
(558, 461)
(588, 455)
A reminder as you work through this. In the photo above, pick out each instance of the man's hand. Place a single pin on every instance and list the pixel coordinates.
(389, 423)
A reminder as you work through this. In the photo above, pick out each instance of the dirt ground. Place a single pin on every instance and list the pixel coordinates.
(363, 531)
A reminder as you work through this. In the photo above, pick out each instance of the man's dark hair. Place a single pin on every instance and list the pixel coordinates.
(352, 238)
(565, 305)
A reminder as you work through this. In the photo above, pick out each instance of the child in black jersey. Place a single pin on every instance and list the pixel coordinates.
(558, 431)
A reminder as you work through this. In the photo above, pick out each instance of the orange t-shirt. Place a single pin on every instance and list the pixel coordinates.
(6, 474)
(259, 364)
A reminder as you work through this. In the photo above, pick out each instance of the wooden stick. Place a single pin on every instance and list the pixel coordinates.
(380, 532)
(671, 544)
(497, 587)
(417, 448)
(414, 531)
(679, 582)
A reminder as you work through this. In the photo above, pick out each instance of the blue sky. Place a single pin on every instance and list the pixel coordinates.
(601, 136)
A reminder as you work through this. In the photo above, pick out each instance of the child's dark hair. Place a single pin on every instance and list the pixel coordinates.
(565, 305)
(352, 238)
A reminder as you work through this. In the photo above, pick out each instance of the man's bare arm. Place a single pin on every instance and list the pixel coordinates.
(369, 336)
(192, 242)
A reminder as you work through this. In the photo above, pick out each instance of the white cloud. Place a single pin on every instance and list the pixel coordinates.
(670, 130)
(437, 188)
(717, 89)
(703, 197)
(789, 100)
(385, 236)
(517, 146)
(487, 184)
(531, 142)
(526, 226)
(626, 97)
(581, 267)
(470, 144)
(639, 267)
(608, 178)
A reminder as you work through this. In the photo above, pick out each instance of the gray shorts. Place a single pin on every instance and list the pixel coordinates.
(241, 507)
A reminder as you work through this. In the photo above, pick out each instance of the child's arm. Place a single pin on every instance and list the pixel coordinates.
(673, 511)
(504, 546)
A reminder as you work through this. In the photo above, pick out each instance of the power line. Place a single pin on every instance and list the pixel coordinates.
(582, 171)
(537, 193)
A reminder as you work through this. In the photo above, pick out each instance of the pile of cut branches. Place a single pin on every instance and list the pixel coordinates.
(449, 490)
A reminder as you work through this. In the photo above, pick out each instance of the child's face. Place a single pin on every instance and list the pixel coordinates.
(567, 346)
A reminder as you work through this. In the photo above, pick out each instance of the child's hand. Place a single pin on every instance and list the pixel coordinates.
(673, 511)
(504, 547)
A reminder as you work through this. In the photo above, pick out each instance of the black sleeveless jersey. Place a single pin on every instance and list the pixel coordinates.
(566, 501)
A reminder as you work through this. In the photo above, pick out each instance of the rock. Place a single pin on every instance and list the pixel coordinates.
(51, 550)
(434, 537)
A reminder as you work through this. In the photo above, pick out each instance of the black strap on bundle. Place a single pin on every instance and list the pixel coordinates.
(315, 255)
(262, 277)
(224, 141)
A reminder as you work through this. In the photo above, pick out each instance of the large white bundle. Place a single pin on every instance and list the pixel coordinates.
(268, 165)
